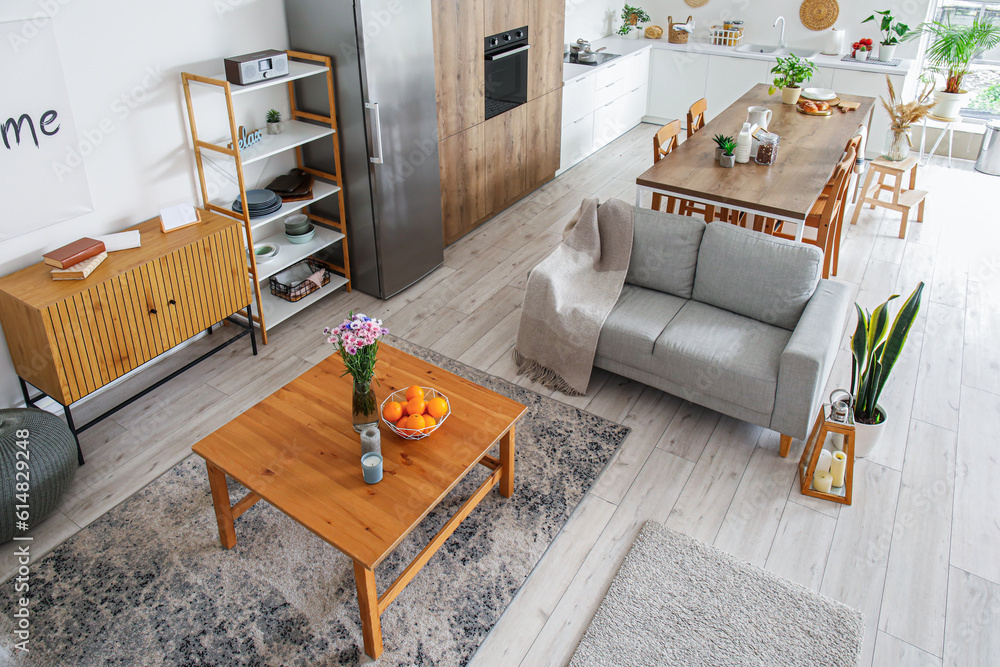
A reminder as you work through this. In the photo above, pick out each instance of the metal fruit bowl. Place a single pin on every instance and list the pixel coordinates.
(412, 434)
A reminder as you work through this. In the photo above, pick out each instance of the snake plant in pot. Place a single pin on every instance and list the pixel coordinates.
(875, 348)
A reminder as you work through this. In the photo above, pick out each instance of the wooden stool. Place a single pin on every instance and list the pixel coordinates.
(902, 199)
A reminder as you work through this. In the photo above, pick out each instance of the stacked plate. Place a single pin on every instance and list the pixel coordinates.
(819, 94)
(259, 203)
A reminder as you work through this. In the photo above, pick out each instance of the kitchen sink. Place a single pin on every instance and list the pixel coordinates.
(799, 51)
(771, 50)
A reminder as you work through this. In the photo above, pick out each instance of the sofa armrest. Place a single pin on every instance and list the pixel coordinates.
(808, 358)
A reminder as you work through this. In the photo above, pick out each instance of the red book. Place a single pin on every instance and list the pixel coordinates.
(74, 253)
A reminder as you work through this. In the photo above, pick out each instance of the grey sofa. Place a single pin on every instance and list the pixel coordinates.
(727, 318)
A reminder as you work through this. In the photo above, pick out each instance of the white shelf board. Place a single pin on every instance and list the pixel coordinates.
(321, 189)
(277, 310)
(293, 133)
(289, 253)
(296, 70)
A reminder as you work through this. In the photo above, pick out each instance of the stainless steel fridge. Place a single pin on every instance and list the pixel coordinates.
(383, 53)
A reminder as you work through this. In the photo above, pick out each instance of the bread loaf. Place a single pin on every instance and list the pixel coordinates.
(654, 32)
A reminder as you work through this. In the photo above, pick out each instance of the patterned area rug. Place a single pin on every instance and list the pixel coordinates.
(677, 601)
(148, 583)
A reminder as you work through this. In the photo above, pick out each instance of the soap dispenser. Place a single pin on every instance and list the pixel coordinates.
(743, 144)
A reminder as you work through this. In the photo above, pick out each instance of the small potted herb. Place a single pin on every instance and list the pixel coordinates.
(892, 31)
(631, 18)
(791, 73)
(728, 147)
(274, 122)
(720, 141)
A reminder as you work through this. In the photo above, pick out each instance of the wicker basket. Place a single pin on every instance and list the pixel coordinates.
(304, 288)
(676, 36)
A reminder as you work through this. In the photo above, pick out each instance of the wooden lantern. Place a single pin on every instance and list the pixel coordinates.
(836, 417)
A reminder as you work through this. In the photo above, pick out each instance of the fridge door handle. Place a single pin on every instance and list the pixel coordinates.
(377, 125)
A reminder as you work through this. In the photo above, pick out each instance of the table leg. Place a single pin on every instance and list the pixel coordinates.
(507, 463)
(638, 196)
(223, 510)
(371, 624)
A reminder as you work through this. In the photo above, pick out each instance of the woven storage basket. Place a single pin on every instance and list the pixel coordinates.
(676, 36)
(48, 462)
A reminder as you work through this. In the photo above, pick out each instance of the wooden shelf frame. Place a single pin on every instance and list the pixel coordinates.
(322, 65)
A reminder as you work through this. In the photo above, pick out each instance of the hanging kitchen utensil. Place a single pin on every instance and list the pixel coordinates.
(819, 14)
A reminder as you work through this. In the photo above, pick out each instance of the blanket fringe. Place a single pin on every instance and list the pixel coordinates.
(542, 375)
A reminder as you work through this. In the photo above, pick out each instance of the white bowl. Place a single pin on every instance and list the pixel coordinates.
(414, 434)
(265, 251)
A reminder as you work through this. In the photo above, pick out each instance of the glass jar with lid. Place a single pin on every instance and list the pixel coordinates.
(767, 148)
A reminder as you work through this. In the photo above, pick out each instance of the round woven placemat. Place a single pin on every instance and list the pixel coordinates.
(695, 3)
(819, 14)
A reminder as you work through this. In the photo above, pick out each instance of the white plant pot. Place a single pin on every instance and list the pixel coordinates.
(867, 436)
(948, 105)
(887, 53)
(790, 95)
(635, 32)
(861, 55)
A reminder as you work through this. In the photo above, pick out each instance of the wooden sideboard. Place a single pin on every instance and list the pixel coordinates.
(71, 338)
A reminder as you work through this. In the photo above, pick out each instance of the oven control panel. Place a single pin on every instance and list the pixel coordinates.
(504, 40)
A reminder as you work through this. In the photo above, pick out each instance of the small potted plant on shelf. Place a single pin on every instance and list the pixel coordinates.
(631, 18)
(274, 122)
(875, 348)
(892, 31)
(728, 147)
(861, 49)
(720, 141)
(791, 73)
(950, 53)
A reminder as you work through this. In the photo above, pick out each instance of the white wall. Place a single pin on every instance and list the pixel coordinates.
(591, 18)
(122, 61)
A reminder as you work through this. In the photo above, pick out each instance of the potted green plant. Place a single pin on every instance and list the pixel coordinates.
(273, 121)
(728, 158)
(892, 31)
(950, 53)
(720, 141)
(631, 18)
(875, 348)
(791, 73)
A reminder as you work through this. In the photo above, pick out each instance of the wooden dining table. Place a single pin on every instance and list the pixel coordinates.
(810, 148)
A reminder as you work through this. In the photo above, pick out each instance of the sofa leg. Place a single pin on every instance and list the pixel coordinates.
(786, 444)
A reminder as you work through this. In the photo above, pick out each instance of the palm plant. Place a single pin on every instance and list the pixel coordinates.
(953, 47)
(875, 348)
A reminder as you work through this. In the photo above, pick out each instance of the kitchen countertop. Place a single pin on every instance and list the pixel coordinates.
(624, 46)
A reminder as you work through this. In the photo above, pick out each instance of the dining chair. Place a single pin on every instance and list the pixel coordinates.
(664, 141)
(696, 121)
(696, 116)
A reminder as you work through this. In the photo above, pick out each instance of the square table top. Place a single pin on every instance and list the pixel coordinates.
(810, 148)
(298, 449)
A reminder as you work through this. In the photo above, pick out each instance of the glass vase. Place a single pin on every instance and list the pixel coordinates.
(897, 145)
(364, 410)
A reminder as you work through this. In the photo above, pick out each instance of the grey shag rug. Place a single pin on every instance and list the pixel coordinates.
(149, 584)
(677, 601)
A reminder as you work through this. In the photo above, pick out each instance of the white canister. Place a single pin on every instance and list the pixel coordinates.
(834, 42)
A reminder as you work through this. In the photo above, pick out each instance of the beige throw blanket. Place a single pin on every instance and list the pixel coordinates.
(570, 294)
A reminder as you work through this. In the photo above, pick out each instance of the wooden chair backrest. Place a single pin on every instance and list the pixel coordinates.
(696, 116)
(839, 181)
(665, 140)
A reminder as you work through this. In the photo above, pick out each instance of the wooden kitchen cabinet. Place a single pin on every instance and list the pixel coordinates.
(463, 181)
(543, 137)
(547, 19)
(459, 74)
(503, 15)
(506, 138)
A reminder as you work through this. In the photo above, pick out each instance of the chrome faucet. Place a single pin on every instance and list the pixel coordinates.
(781, 39)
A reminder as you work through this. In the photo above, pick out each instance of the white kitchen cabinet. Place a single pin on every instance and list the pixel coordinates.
(578, 100)
(676, 80)
(609, 92)
(577, 141)
(636, 106)
(610, 122)
(823, 78)
(728, 80)
(637, 70)
(872, 84)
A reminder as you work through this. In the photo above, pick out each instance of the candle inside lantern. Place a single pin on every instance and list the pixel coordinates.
(822, 481)
(838, 468)
(825, 458)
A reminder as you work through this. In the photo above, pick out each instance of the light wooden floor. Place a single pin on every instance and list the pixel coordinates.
(918, 552)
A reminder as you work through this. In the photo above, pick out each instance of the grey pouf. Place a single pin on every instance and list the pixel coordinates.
(49, 450)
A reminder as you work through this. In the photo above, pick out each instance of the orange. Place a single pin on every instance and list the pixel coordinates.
(437, 407)
(415, 406)
(414, 392)
(415, 422)
(392, 411)
(401, 425)
(429, 421)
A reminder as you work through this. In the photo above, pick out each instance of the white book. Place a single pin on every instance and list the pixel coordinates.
(121, 240)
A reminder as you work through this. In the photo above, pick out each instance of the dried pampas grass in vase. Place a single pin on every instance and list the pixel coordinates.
(902, 115)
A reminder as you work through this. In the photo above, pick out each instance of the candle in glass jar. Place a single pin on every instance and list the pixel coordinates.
(822, 481)
(838, 468)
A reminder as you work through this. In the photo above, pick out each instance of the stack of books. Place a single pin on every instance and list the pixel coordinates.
(77, 260)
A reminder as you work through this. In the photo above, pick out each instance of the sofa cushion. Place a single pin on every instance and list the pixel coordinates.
(766, 278)
(664, 251)
(635, 323)
(722, 354)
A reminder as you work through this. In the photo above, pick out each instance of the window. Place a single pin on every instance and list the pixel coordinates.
(983, 82)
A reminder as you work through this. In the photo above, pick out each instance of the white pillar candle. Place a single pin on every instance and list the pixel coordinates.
(825, 457)
(838, 468)
(822, 481)
(837, 441)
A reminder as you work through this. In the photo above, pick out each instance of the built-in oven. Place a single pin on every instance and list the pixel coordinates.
(506, 71)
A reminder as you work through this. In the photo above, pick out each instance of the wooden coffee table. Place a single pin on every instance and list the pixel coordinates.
(297, 450)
